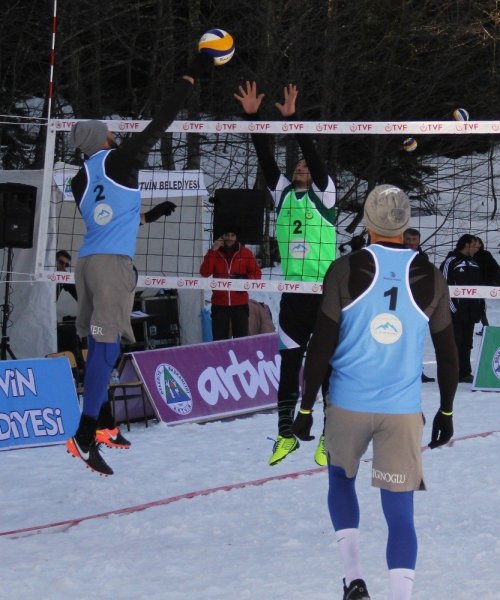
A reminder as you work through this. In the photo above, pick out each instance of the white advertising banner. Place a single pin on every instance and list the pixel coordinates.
(450, 127)
(153, 184)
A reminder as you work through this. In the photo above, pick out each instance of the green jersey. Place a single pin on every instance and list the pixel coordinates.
(305, 230)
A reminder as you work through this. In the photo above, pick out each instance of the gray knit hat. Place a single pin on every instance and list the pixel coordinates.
(89, 136)
(387, 210)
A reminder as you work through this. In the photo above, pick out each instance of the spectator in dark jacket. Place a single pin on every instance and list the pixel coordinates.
(460, 268)
(229, 259)
(490, 272)
(411, 239)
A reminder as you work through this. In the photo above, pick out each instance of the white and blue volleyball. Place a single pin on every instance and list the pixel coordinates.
(218, 44)
(460, 114)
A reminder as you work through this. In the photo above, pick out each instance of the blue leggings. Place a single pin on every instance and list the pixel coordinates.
(343, 505)
(101, 359)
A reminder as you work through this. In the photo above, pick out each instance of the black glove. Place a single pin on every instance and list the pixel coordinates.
(302, 426)
(200, 65)
(442, 430)
(164, 209)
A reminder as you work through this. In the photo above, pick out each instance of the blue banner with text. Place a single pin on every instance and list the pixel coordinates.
(38, 402)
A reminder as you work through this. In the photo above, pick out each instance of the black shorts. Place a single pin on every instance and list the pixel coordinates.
(297, 319)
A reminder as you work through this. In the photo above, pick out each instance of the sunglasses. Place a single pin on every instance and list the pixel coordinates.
(63, 263)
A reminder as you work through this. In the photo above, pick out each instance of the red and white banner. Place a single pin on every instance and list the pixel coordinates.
(317, 127)
(258, 285)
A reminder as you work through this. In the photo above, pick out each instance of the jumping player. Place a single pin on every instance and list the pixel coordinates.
(376, 306)
(306, 238)
(106, 190)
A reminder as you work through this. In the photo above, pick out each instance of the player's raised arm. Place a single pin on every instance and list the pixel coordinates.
(251, 101)
(287, 109)
(319, 174)
(135, 149)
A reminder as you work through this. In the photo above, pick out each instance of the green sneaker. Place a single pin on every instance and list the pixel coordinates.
(283, 446)
(320, 454)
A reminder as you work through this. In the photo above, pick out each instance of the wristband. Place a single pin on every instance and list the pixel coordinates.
(446, 414)
(304, 411)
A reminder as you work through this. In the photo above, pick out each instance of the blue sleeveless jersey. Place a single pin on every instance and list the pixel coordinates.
(111, 212)
(377, 364)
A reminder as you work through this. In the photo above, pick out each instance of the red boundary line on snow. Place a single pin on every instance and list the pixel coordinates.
(206, 492)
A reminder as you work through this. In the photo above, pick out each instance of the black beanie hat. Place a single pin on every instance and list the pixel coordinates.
(232, 228)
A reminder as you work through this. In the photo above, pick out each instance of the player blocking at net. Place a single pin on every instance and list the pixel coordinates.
(305, 230)
(106, 190)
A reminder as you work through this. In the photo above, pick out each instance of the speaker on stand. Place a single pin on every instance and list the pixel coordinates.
(17, 219)
(241, 207)
(17, 215)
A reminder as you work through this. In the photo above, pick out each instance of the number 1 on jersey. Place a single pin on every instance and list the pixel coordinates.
(393, 295)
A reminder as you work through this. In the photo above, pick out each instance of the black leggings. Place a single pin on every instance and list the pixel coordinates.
(289, 386)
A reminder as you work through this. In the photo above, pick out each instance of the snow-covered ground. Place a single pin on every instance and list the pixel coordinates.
(194, 511)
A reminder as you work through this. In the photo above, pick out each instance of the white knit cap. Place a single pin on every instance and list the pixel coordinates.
(387, 210)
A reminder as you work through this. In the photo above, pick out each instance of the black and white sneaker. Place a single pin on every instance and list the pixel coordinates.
(356, 590)
(90, 456)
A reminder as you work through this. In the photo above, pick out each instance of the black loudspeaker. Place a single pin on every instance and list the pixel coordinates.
(240, 207)
(161, 328)
(17, 215)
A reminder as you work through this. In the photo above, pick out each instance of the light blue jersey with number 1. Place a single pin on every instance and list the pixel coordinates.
(111, 212)
(377, 364)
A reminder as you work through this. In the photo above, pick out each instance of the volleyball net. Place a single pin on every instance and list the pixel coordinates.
(451, 193)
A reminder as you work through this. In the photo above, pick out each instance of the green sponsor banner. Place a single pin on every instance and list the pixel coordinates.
(487, 375)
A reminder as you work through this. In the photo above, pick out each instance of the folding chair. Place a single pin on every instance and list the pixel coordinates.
(123, 391)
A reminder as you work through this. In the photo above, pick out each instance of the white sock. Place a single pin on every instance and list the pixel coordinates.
(401, 583)
(348, 543)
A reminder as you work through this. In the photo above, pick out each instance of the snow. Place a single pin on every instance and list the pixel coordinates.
(254, 539)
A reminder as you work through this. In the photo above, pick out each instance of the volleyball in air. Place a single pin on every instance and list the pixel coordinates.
(409, 144)
(460, 114)
(218, 44)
